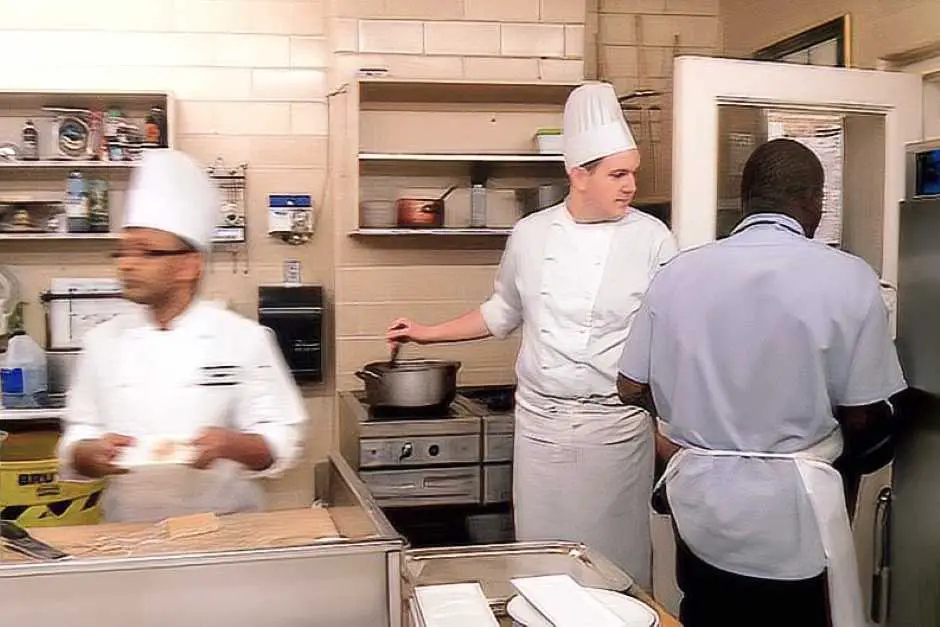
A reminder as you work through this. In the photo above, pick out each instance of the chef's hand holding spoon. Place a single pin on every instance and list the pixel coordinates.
(404, 330)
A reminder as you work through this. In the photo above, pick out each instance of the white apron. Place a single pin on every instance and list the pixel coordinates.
(583, 464)
(585, 475)
(823, 485)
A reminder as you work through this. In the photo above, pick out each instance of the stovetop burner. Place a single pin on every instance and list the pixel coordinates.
(406, 413)
(496, 398)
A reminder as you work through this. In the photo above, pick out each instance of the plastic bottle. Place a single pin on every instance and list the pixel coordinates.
(23, 375)
(76, 203)
(30, 148)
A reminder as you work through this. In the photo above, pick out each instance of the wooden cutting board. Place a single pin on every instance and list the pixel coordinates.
(255, 530)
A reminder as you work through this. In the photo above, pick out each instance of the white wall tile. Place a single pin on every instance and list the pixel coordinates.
(391, 36)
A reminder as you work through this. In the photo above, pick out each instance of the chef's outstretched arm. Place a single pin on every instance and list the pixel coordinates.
(269, 415)
(467, 326)
(499, 316)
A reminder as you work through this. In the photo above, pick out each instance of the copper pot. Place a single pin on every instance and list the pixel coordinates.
(420, 212)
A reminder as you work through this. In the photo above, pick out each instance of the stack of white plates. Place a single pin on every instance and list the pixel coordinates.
(632, 612)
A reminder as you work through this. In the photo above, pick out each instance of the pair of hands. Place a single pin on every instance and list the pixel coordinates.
(95, 458)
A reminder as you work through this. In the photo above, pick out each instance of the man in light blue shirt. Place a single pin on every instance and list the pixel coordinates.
(759, 353)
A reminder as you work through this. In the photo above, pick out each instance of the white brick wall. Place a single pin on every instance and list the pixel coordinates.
(250, 80)
(636, 41)
(474, 39)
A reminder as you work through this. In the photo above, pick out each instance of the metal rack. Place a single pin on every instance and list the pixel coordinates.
(232, 224)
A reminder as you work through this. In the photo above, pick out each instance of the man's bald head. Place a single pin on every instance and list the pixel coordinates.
(784, 176)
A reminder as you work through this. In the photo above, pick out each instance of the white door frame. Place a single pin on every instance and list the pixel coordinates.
(926, 64)
(702, 84)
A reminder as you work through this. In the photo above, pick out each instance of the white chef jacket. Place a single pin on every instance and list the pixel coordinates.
(137, 380)
(576, 287)
(748, 344)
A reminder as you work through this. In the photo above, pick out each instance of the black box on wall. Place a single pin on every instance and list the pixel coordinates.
(295, 314)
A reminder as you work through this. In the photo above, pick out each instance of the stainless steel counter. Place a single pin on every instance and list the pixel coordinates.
(24, 415)
(494, 566)
(351, 582)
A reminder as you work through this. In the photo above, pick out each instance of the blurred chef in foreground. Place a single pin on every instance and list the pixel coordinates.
(572, 277)
(768, 357)
(192, 380)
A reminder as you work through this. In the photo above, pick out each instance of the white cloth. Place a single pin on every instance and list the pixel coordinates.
(747, 345)
(593, 125)
(169, 191)
(574, 288)
(134, 379)
(824, 490)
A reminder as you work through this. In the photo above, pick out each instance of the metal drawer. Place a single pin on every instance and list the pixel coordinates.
(429, 486)
(497, 484)
(498, 438)
(446, 449)
(497, 447)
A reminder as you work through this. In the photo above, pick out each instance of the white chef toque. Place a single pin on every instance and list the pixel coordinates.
(594, 126)
(171, 192)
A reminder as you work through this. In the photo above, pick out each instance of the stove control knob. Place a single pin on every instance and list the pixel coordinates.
(433, 450)
(406, 451)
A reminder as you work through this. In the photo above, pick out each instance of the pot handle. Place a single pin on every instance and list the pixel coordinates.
(368, 374)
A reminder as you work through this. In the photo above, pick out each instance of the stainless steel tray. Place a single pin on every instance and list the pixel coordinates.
(494, 566)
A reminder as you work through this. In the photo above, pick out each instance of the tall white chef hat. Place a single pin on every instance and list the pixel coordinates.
(170, 191)
(594, 126)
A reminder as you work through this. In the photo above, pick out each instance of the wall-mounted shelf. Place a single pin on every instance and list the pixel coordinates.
(463, 231)
(63, 237)
(483, 157)
(385, 90)
(68, 165)
(31, 198)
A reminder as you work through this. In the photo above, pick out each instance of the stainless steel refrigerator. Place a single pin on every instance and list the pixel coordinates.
(910, 559)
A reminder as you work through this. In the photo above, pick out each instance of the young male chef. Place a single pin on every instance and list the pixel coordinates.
(177, 370)
(766, 354)
(572, 277)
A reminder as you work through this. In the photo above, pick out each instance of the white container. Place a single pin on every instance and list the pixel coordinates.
(550, 144)
(23, 374)
(378, 213)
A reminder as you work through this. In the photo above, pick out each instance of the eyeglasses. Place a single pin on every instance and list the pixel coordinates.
(150, 254)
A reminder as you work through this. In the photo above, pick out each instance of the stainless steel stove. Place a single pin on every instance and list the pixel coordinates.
(435, 474)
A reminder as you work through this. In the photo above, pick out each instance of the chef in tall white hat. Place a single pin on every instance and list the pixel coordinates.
(572, 277)
(178, 403)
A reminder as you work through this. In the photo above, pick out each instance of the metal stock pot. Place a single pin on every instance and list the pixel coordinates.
(410, 383)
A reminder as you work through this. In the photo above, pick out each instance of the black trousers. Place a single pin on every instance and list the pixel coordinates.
(716, 598)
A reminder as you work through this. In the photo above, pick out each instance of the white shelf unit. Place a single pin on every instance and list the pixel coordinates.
(456, 231)
(462, 157)
(61, 237)
(416, 138)
(61, 164)
(47, 177)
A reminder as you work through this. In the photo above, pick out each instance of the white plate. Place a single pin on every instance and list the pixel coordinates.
(632, 612)
(153, 451)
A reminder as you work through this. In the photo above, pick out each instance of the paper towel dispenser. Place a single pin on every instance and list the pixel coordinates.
(295, 314)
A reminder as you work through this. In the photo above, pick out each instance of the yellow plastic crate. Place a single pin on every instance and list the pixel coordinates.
(32, 495)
